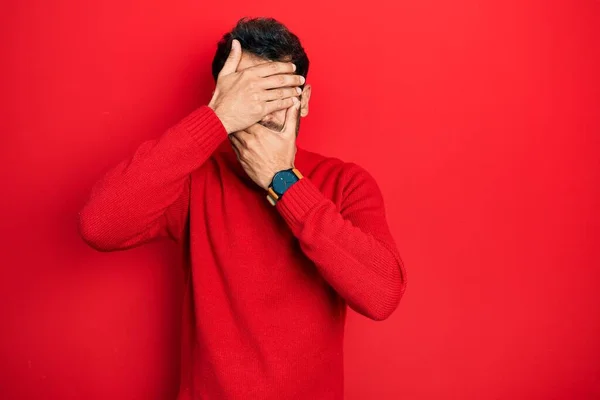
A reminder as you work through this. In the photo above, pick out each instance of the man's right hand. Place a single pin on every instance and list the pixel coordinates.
(243, 98)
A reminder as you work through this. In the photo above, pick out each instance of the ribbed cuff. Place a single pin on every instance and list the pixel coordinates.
(300, 198)
(205, 128)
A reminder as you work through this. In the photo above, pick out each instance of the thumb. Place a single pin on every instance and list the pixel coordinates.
(235, 54)
(291, 118)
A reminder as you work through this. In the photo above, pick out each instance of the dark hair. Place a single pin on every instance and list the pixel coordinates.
(265, 38)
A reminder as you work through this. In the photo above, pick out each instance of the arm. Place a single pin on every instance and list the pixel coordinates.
(147, 195)
(352, 247)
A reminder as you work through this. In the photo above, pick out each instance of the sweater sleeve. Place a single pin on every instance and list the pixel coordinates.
(352, 247)
(147, 195)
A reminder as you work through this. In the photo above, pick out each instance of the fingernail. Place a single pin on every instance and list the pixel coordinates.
(298, 90)
(294, 67)
(295, 101)
(302, 79)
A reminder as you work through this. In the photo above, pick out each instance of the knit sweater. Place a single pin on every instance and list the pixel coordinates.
(266, 286)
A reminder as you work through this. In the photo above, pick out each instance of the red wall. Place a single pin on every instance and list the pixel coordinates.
(480, 120)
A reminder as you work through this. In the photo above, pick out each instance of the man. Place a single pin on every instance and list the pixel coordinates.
(278, 239)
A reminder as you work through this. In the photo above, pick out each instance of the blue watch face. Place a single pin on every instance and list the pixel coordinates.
(283, 180)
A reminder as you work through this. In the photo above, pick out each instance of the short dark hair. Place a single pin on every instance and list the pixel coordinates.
(266, 38)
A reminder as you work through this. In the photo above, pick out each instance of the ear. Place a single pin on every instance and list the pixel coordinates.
(242, 55)
(304, 99)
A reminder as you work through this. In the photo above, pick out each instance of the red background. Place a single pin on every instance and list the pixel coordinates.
(480, 121)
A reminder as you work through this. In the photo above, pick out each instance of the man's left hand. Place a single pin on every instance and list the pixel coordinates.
(263, 152)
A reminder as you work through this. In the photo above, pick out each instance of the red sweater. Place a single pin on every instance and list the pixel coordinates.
(266, 287)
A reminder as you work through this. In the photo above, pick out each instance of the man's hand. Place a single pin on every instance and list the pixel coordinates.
(263, 152)
(243, 98)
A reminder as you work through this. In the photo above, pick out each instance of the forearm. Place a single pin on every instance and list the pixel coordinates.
(363, 267)
(128, 206)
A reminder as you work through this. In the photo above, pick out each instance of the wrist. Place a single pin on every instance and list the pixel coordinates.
(213, 100)
(213, 106)
(281, 182)
(223, 121)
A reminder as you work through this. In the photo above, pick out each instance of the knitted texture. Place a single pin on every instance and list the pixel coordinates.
(266, 287)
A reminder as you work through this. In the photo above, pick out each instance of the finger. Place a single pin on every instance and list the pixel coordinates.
(258, 129)
(239, 143)
(281, 93)
(233, 60)
(291, 119)
(280, 104)
(235, 144)
(243, 138)
(272, 68)
(282, 80)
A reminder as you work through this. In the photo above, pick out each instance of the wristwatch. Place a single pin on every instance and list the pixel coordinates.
(281, 182)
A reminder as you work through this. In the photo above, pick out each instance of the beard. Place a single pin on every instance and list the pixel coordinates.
(274, 126)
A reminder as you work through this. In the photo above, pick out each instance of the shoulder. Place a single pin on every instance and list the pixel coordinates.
(314, 161)
(348, 176)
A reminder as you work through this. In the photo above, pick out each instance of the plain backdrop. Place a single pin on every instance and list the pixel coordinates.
(480, 121)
